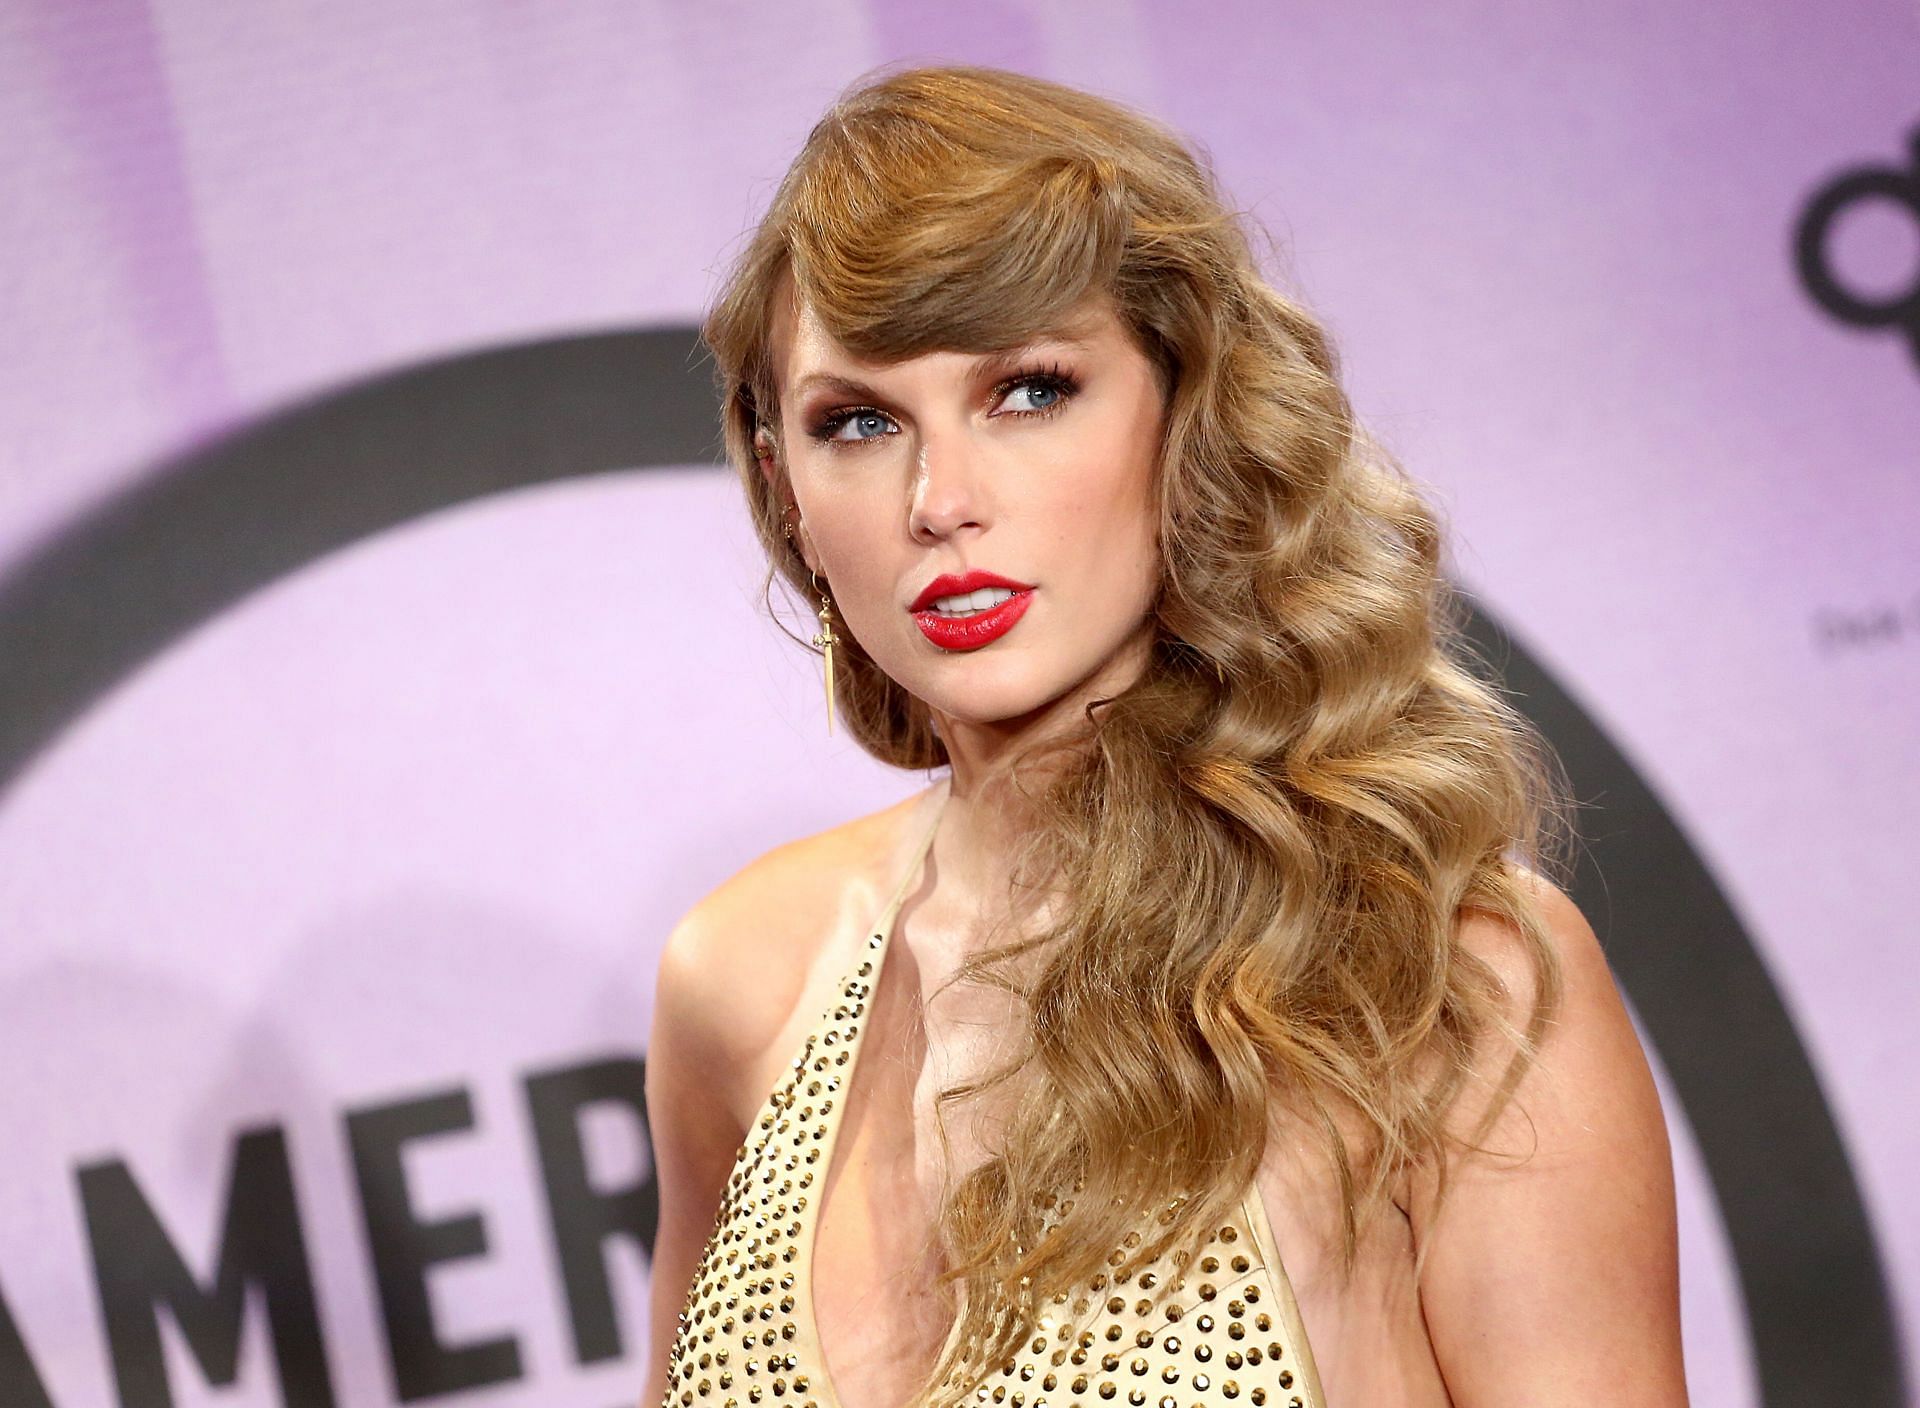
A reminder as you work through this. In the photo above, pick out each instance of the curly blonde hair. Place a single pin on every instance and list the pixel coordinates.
(1266, 841)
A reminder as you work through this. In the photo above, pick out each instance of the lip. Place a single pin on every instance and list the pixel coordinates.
(946, 584)
(969, 632)
(972, 632)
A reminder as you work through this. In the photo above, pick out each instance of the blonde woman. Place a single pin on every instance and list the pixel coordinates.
(1207, 1032)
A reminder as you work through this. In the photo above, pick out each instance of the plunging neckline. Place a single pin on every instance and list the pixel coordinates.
(800, 1124)
(877, 946)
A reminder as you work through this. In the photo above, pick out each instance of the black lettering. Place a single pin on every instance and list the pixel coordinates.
(20, 1384)
(584, 1217)
(402, 1249)
(1896, 185)
(136, 1268)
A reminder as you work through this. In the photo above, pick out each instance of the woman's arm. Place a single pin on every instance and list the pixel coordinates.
(1552, 1267)
(691, 1115)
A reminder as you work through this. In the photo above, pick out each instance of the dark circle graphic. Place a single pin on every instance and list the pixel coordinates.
(204, 530)
(1815, 228)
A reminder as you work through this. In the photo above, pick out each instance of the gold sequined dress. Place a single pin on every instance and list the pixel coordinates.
(1220, 1331)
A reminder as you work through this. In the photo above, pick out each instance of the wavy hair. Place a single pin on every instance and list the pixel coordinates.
(1266, 841)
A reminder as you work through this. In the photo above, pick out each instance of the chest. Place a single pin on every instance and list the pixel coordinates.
(881, 1309)
(858, 1134)
(882, 1318)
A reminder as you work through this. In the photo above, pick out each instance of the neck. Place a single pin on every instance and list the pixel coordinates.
(1000, 766)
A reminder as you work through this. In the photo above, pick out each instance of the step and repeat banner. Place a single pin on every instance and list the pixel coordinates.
(383, 669)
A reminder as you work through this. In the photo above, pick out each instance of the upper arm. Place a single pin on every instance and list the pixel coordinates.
(691, 1114)
(1551, 1269)
(731, 975)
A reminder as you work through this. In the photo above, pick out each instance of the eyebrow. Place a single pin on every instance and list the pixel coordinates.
(849, 386)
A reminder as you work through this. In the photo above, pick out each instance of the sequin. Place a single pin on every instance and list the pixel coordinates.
(750, 1289)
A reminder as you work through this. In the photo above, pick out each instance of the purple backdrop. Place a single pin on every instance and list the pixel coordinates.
(362, 877)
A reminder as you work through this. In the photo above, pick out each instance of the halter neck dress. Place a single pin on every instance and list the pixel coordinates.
(1220, 1331)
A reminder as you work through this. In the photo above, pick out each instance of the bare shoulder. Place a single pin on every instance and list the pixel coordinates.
(1589, 1071)
(1572, 946)
(1556, 1235)
(737, 964)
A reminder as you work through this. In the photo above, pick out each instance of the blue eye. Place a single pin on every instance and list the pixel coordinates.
(1050, 393)
(862, 420)
(1046, 390)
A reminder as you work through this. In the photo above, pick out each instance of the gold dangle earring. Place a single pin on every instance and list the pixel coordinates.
(825, 640)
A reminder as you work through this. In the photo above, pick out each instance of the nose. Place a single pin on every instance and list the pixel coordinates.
(949, 489)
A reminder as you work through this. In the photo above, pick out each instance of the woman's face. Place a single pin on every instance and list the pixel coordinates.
(1036, 466)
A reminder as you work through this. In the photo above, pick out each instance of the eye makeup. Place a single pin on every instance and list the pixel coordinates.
(826, 426)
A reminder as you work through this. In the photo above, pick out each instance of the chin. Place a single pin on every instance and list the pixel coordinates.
(993, 685)
(985, 702)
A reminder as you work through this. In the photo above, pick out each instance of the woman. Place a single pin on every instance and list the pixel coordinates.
(1223, 932)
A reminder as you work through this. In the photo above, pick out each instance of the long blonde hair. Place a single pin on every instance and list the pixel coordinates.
(1267, 840)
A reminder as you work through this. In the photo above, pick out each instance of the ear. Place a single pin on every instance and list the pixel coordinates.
(764, 455)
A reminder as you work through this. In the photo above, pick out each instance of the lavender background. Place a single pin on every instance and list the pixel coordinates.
(416, 816)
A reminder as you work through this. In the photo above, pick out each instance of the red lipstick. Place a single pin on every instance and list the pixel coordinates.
(969, 632)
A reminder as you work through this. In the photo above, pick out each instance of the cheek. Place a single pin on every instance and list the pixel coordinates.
(837, 515)
(1103, 501)
(846, 531)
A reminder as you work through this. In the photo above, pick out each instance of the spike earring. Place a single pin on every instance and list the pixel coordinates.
(825, 641)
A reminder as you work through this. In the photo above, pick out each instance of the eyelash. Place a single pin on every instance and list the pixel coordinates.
(1054, 377)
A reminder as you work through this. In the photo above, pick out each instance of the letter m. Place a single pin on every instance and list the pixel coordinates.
(137, 1269)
